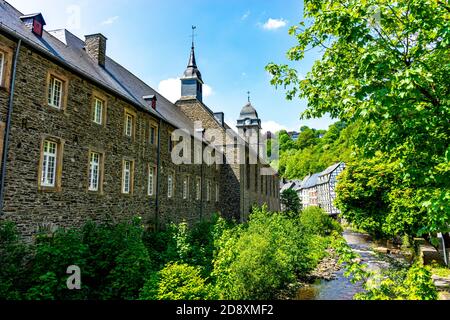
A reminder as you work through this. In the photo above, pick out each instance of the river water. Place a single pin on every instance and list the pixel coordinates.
(341, 288)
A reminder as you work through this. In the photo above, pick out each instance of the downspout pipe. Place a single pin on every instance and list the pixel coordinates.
(8, 126)
(158, 176)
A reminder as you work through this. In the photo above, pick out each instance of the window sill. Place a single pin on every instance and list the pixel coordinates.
(45, 189)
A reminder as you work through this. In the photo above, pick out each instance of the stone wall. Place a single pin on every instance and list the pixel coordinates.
(73, 204)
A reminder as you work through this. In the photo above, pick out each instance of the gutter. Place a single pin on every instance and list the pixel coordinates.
(8, 126)
(158, 176)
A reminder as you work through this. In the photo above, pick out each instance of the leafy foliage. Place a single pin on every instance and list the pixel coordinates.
(385, 67)
(177, 282)
(260, 259)
(414, 283)
(315, 150)
(315, 220)
(291, 201)
(13, 260)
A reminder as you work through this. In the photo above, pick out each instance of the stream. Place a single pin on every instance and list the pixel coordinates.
(341, 288)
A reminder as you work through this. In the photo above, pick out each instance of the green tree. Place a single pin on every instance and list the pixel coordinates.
(291, 201)
(385, 65)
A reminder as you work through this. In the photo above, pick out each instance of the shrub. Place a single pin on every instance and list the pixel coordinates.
(259, 260)
(53, 255)
(414, 283)
(177, 282)
(316, 221)
(13, 258)
(291, 201)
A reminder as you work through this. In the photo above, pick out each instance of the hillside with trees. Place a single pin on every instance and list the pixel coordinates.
(314, 150)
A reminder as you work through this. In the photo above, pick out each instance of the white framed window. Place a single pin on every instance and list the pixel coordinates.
(94, 171)
(98, 111)
(2, 67)
(208, 191)
(127, 176)
(55, 92)
(198, 189)
(170, 185)
(151, 180)
(48, 170)
(217, 192)
(185, 188)
(129, 122)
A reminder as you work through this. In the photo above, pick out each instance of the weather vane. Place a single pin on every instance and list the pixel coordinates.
(193, 34)
(248, 93)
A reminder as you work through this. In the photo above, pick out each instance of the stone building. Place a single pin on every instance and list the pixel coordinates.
(82, 138)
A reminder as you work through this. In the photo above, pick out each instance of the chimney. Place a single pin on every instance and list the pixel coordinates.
(95, 46)
(220, 116)
(152, 99)
(35, 22)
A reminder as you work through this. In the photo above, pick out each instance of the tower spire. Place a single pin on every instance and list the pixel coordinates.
(192, 82)
(248, 93)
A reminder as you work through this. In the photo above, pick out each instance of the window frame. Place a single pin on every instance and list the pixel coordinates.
(98, 96)
(101, 167)
(131, 177)
(171, 185)
(53, 74)
(217, 192)
(208, 191)
(151, 169)
(198, 189)
(5, 76)
(133, 115)
(59, 143)
(185, 188)
(2, 67)
(153, 125)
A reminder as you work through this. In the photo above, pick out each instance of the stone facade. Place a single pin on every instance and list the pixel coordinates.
(70, 203)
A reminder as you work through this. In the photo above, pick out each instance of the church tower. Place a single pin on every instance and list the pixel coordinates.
(249, 125)
(192, 82)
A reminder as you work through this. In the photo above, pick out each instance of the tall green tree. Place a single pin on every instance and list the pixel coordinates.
(385, 64)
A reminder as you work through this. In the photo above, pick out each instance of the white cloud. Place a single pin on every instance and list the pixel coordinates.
(273, 24)
(273, 126)
(171, 89)
(245, 15)
(110, 20)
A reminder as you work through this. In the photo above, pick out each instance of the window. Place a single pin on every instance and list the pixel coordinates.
(2, 67)
(208, 191)
(152, 134)
(170, 178)
(55, 92)
(217, 192)
(198, 188)
(151, 180)
(94, 171)
(129, 125)
(186, 188)
(127, 177)
(49, 163)
(98, 111)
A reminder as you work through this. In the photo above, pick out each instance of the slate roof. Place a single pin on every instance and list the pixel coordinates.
(330, 169)
(248, 111)
(311, 181)
(68, 49)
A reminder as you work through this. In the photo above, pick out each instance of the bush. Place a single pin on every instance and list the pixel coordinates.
(177, 282)
(316, 221)
(291, 201)
(258, 260)
(13, 259)
(113, 261)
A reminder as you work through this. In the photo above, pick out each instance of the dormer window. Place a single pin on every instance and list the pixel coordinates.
(35, 22)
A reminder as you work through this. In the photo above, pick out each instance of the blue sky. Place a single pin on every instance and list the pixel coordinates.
(235, 40)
